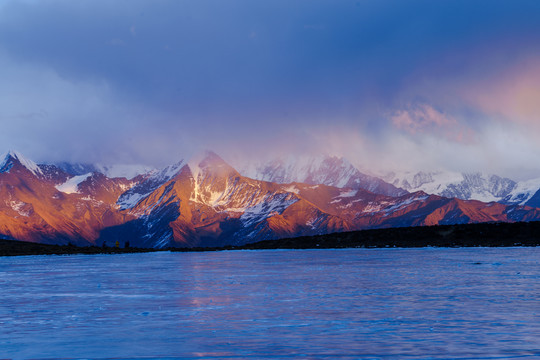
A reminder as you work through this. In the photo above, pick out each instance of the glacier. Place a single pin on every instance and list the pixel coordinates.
(71, 186)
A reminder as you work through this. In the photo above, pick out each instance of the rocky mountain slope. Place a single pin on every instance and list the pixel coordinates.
(206, 202)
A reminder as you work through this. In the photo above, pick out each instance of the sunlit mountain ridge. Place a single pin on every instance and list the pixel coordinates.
(206, 202)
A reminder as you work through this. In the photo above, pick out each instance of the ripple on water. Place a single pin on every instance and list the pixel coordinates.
(471, 303)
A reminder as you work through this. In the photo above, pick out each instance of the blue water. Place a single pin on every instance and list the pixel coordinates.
(474, 303)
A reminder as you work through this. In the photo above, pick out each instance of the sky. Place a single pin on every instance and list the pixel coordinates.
(390, 85)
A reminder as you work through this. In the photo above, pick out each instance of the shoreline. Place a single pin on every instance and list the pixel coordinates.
(521, 234)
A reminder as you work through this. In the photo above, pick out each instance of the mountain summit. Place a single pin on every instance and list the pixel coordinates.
(15, 159)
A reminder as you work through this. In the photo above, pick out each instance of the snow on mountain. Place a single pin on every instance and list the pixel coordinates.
(76, 169)
(534, 200)
(11, 157)
(154, 180)
(326, 170)
(466, 186)
(267, 207)
(206, 202)
(71, 186)
(212, 179)
(523, 193)
(430, 182)
(316, 170)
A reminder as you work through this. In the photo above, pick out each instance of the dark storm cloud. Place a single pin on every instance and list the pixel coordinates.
(211, 72)
(188, 53)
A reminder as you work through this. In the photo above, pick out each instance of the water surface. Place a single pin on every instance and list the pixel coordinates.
(469, 303)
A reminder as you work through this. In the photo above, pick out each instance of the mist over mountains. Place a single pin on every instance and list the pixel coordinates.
(204, 201)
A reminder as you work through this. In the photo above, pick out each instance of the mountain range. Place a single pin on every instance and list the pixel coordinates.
(339, 172)
(327, 170)
(469, 186)
(206, 202)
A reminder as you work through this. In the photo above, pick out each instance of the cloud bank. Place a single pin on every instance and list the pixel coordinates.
(387, 84)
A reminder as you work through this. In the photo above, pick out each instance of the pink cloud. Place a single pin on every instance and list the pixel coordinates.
(424, 119)
(513, 94)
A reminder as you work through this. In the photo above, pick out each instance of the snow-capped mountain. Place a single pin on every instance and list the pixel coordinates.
(464, 186)
(524, 193)
(147, 184)
(326, 170)
(206, 202)
(468, 186)
(9, 159)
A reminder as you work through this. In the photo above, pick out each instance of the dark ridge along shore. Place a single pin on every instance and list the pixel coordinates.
(462, 235)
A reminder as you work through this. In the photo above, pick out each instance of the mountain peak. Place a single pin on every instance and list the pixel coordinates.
(205, 158)
(11, 158)
(211, 159)
(208, 162)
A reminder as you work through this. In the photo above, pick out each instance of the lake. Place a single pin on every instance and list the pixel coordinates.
(428, 303)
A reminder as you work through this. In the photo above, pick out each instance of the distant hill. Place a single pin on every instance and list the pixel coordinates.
(461, 235)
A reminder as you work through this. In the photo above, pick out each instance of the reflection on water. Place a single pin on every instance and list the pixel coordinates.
(475, 303)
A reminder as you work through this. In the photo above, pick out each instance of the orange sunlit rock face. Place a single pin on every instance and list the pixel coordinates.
(207, 203)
